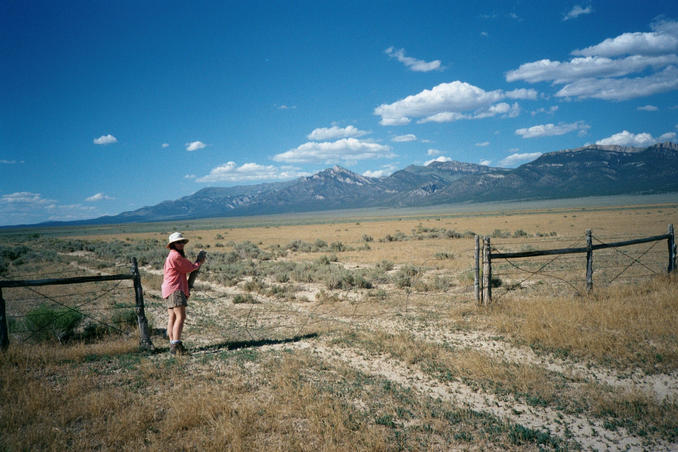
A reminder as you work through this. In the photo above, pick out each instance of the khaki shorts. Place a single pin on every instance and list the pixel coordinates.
(176, 299)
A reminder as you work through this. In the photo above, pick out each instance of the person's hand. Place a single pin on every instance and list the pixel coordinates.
(202, 256)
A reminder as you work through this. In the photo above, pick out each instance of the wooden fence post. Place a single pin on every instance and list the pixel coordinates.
(4, 331)
(589, 261)
(144, 331)
(487, 273)
(672, 250)
(476, 270)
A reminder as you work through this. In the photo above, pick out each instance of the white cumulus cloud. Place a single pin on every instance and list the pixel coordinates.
(485, 162)
(231, 172)
(450, 102)
(386, 170)
(105, 139)
(605, 70)
(586, 67)
(643, 139)
(334, 132)
(413, 63)
(345, 149)
(623, 88)
(518, 159)
(195, 145)
(576, 11)
(405, 138)
(661, 40)
(433, 152)
(546, 130)
(441, 159)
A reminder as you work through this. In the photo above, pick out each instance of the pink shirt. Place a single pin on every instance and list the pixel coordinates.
(175, 271)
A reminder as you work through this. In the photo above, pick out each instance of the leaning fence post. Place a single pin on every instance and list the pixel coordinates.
(589, 261)
(476, 270)
(672, 250)
(487, 273)
(4, 332)
(144, 331)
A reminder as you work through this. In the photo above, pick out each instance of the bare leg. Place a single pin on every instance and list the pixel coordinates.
(170, 324)
(180, 316)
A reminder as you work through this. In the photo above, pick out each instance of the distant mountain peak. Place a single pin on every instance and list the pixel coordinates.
(342, 175)
(593, 170)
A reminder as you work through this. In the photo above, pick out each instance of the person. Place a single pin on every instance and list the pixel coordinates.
(175, 288)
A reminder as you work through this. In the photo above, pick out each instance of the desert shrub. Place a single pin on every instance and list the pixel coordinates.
(319, 244)
(123, 318)
(441, 283)
(337, 246)
(244, 298)
(520, 233)
(299, 245)
(443, 255)
(367, 238)
(499, 234)
(452, 234)
(405, 276)
(45, 323)
(385, 265)
(253, 285)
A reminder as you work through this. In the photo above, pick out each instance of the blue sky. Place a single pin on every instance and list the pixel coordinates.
(112, 106)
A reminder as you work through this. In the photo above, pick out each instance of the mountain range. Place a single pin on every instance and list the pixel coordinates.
(592, 170)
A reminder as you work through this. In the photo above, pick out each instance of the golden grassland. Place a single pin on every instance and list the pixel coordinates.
(420, 366)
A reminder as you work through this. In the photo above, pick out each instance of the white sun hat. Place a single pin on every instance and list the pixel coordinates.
(176, 237)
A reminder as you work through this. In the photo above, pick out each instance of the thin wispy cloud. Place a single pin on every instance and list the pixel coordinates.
(433, 152)
(413, 63)
(648, 108)
(517, 159)
(448, 102)
(105, 139)
(165, 145)
(404, 138)
(546, 130)
(98, 197)
(385, 170)
(343, 150)
(335, 132)
(195, 145)
(576, 11)
(11, 162)
(231, 172)
(30, 207)
(643, 139)
(483, 144)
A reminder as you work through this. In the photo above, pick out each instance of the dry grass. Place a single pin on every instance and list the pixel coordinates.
(621, 326)
(253, 384)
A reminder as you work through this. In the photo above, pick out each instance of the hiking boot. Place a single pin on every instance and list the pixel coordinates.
(181, 350)
(173, 349)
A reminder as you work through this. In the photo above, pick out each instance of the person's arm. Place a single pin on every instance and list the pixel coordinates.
(183, 265)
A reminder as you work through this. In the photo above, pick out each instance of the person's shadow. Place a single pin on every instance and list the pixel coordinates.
(236, 345)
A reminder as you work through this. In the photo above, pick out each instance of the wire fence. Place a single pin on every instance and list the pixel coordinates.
(278, 309)
(567, 266)
(66, 308)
